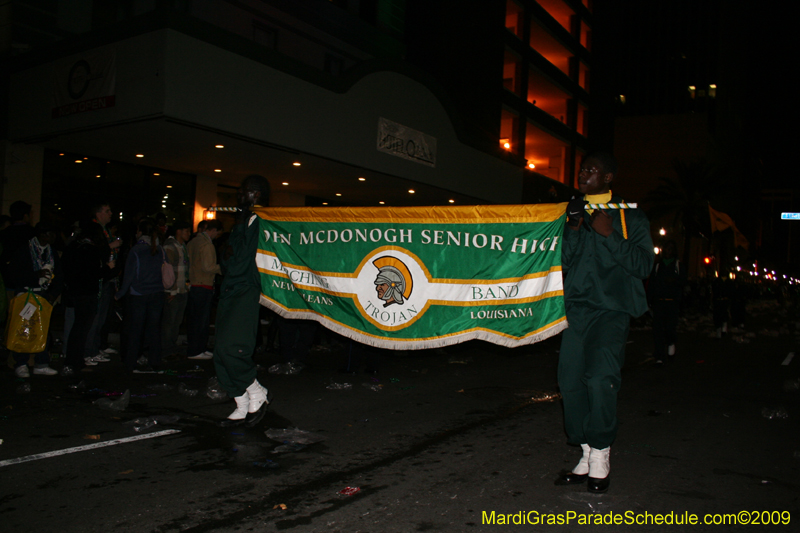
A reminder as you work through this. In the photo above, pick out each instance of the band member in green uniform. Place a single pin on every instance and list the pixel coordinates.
(605, 256)
(237, 312)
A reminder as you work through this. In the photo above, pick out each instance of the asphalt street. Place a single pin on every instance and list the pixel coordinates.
(467, 438)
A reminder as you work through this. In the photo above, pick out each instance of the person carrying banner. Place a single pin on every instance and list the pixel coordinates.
(237, 313)
(605, 256)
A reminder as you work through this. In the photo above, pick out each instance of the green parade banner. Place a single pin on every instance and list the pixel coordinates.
(411, 278)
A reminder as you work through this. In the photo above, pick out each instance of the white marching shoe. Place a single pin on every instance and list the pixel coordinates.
(582, 467)
(239, 415)
(259, 401)
(599, 470)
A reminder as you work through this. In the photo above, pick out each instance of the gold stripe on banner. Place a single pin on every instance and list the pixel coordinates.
(542, 274)
(339, 327)
(485, 214)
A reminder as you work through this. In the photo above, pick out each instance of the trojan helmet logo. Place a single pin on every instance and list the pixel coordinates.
(394, 281)
(391, 288)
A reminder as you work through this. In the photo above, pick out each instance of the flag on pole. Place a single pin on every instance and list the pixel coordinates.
(411, 278)
(720, 222)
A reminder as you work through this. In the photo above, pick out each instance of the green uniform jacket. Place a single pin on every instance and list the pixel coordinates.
(240, 269)
(605, 273)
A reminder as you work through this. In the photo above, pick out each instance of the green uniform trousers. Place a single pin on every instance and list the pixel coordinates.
(589, 373)
(236, 328)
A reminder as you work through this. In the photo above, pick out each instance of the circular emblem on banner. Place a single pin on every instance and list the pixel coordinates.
(391, 288)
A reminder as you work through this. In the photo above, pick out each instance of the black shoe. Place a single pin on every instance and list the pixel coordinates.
(568, 478)
(254, 418)
(228, 423)
(147, 369)
(599, 485)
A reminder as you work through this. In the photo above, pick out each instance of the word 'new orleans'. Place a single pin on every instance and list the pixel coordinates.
(434, 237)
(310, 298)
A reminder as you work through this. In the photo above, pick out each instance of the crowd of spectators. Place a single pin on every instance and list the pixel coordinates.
(147, 284)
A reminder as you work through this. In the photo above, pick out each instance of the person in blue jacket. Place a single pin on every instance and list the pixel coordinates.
(605, 255)
(143, 289)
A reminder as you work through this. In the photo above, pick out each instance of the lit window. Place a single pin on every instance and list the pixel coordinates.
(514, 18)
(511, 72)
(549, 47)
(547, 96)
(509, 130)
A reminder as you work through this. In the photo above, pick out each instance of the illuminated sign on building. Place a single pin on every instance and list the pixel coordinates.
(399, 140)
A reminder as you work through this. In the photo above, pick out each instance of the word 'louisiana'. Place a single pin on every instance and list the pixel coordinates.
(405, 236)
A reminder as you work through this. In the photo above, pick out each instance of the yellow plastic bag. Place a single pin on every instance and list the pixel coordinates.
(28, 335)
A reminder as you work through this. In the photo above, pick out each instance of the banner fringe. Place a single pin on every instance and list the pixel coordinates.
(427, 344)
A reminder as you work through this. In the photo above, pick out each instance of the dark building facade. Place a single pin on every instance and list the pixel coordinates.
(177, 100)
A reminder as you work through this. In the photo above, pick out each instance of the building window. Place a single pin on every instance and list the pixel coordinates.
(583, 76)
(582, 126)
(509, 131)
(586, 36)
(514, 16)
(559, 11)
(547, 152)
(265, 35)
(548, 46)
(546, 96)
(511, 72)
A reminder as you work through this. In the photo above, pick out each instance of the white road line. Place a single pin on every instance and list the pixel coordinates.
(87, 447)
(788, 359)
